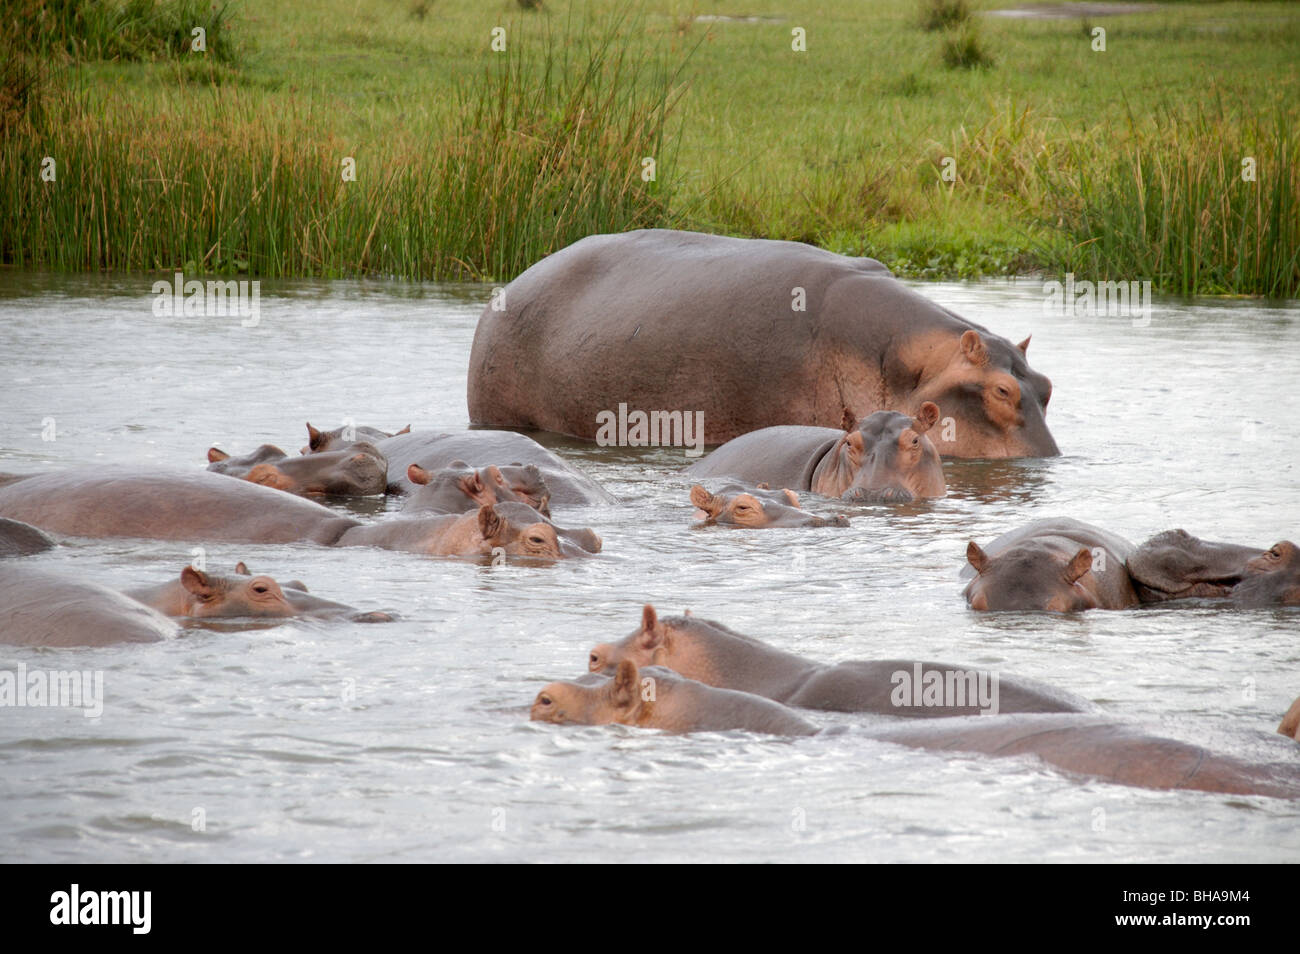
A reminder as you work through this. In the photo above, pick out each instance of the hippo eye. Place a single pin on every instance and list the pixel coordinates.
(537, 540)
(261, 588)
(544, 701)
(916, 441)
(1003, 393)
(594, 660)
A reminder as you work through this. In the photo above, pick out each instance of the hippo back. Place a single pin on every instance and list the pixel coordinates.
(38, 608)
(784, 456)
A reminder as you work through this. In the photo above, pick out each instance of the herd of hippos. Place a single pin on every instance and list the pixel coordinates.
(817, 374)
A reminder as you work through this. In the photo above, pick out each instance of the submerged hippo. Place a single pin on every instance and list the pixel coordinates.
(1175, 565)
(39, 608)
(1059, 565)
(201, 595)
(359, 470)
(884, 457)
(512, 452)
(458, 487)
(736, 506)
(512, 529)
(341, 438)
(711, 653)
(748, 333)
(203, 506)
(658, 698)
(22, 539)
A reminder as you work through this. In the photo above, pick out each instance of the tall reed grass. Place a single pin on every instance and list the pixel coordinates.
(1176, 204)
(542, 151)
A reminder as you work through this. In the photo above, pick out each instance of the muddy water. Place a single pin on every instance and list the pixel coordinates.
(410, 741)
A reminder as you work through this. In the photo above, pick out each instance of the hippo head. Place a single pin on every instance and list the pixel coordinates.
(734, 506)
(1272, 578)
(593, 699)
(579, 542)
(654, 644)
(219, 462)
(1030, 576)
(459, 487)
(525, 481)
(997, 401)
(213, 596)
(359, 471)
(343, 437)
(527, 538)
(1174, 564)
(885, 457)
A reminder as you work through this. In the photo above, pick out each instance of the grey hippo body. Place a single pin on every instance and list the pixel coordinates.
(749, 332)
(39, 608)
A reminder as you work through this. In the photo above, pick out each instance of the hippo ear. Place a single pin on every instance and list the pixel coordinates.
(627, 685)
(652, 633)
(706, 501)
(926, 418)
(313, 437)
(791, 496)
(1290, 726)
(472, 486)
(1024, 346)
(197, 582)
(490, 523)
(418, 475)
(976, 557)
(763, 485)
(849, 420)
(216, 454)
(494, 474)
(405, 430)
(972, 346)
(1079, 565)
(242, 569)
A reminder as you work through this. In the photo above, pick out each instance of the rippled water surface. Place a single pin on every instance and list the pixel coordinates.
(410, 741)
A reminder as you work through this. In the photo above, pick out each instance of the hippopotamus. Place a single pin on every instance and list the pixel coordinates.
(187, 506)
(1290, 724)
(22, 539)
(1107, 750)
(343, 437)
(751, 508)
(658, 698)
(39, 608)
(512, 528)
(198, 594)
(885, 457)
(359, 470)
(1060, 565)
(711, 653)
(1175, 565)
(748, 333)
(511, 452)
(458, 487)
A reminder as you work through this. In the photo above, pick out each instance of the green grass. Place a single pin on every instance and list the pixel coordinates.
(476, 163)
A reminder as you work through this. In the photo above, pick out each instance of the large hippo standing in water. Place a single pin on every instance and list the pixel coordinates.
(749, 332)
(885, 457)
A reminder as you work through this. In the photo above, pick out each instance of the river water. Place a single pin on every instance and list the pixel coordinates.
(410, 741)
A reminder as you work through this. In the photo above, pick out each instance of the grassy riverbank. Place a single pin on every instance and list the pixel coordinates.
(471, 163)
